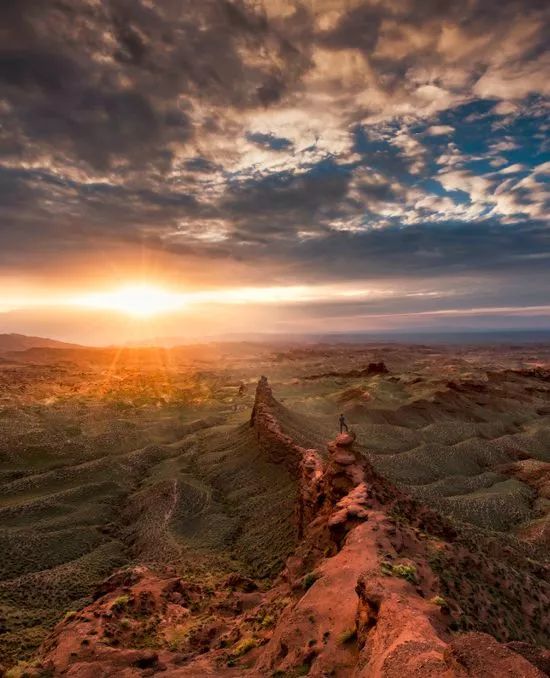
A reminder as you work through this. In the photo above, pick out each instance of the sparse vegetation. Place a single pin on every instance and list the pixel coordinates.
(243, 646)
(309, 579)
(405, 571)
(439, 601)
(347, 636)
(267, 621)
(120, 603)
(23, 669)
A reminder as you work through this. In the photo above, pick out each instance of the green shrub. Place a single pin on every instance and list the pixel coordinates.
(309, 579)
(407, 572)
(120, 603)
(386, 568)
(267, 621)
(439, 600)
(347, 636)
(243, 646)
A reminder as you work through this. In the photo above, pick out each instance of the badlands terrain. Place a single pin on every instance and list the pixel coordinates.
(193, 511)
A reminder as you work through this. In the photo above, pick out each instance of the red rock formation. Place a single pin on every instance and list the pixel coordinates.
(278, 446)
(305, 464)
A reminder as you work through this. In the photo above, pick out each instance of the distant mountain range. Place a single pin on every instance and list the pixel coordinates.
(21, 342)
(402, 336)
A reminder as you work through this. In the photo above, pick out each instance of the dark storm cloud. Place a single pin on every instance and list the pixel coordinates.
(284, 202)
(338, 139)
(108, 83)
(438, 249)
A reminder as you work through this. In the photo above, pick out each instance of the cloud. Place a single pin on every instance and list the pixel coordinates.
(283, 138)
(513, 169)
(477, 187)
(515, 82)
(439, 130)
(505, 144)
(506, 108)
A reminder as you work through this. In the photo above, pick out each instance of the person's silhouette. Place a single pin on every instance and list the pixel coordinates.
(343, 425)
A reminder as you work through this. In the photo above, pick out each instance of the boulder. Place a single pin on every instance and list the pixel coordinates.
(345, 439)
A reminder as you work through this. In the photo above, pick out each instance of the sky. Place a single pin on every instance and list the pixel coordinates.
(188, 168)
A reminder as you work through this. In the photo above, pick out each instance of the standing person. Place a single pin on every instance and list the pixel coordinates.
(343, 425)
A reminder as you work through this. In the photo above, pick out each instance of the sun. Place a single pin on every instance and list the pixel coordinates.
(140, 300)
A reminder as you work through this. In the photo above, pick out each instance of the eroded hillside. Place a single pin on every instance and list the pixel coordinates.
(247, 546)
